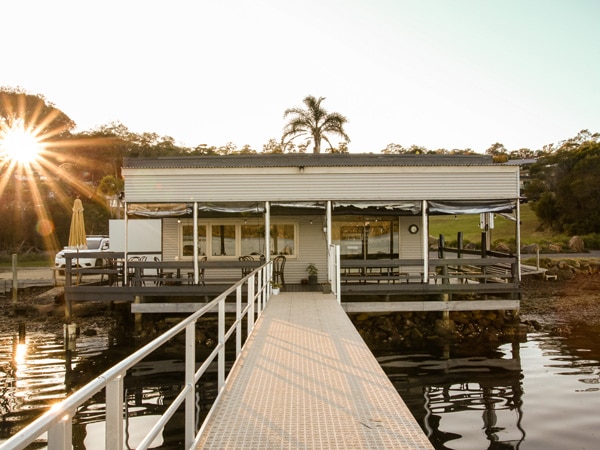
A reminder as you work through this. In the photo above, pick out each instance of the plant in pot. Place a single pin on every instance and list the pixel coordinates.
(312, 273)
(275, 287)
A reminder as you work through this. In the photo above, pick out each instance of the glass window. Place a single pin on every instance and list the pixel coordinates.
(187, 233)
(253, 240)
(283, 240)
(233, 240)
(223, 239)
(367, 239)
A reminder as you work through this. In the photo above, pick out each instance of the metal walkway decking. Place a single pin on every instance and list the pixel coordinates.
(307, 380)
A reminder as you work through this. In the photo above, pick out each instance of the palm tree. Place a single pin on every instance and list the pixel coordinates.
(314, 122)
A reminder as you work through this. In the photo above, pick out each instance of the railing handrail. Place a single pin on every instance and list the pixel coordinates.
(52, 418)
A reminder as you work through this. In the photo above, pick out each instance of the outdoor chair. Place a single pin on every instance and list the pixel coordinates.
(115, 271)
(278, 267)
(200, 273)
(159, 272)
(131, 270)
(246, 270)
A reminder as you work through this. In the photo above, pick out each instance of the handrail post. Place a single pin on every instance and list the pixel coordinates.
(221, 357)
(190, 367)
(261, 292)
(60, 436)
(238, 317)
(250, 317)
(114, 414)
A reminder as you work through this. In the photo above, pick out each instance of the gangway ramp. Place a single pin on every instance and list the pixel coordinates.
(307, 380)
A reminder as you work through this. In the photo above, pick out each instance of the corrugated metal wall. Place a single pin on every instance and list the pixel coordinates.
(414, 183)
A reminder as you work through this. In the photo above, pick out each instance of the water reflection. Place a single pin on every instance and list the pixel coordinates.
(542, 393)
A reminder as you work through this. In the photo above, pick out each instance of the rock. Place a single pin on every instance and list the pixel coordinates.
(502, 247)
(576, 244)
(555, 248)
(529, 249)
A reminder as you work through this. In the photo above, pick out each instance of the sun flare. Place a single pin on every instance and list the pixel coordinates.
(19, 145)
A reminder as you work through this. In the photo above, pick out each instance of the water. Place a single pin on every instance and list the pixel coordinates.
(542, 393)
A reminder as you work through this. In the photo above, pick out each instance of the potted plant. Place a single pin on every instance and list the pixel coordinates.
(275, 287)
(312, 273)
(326, 287)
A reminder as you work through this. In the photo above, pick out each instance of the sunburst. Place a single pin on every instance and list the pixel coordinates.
(32, 152)
(19, 144)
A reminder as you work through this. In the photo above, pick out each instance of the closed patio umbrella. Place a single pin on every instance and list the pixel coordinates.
(77, 232)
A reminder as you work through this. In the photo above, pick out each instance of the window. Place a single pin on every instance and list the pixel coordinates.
(187, 244)
(369, 238)
(228, 239)
(252, 239)
(223, 240)
(283, 239)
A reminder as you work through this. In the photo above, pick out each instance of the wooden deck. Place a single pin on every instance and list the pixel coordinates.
(461, 276)
(306, 379)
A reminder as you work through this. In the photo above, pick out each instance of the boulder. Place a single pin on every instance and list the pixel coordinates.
(502, 247)
(576, 244)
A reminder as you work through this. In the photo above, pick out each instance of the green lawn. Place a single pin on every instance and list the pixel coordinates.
(504, 229)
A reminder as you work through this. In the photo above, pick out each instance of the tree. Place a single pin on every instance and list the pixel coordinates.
(566, 185)
(37, 114)
(314, 122)
(498, 153)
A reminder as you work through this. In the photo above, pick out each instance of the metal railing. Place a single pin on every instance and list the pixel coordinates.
(57, 422)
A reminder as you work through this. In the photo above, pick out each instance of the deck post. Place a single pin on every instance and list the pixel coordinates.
(15, 282)
(137, 317)
(68, 285)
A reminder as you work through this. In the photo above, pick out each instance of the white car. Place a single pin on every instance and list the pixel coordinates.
(94, 244)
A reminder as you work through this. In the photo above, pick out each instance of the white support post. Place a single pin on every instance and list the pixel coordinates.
(518, 238)
(126, 247)
(328, 233)
(425, 237)
(114, 414)
(267, 231)
(196, 270)
(338, 282)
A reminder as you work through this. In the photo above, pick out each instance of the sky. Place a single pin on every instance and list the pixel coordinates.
(460, 74)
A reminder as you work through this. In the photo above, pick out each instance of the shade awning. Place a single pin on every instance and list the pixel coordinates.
(471, 206)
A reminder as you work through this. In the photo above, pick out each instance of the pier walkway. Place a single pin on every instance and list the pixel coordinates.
(307, 380)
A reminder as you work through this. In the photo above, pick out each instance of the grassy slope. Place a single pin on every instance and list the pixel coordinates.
(504, 229)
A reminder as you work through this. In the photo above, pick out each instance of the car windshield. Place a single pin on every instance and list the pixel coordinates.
(93, 243)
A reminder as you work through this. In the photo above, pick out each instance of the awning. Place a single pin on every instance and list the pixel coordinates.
(378, 208)
(158, 209)
(471, 206)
